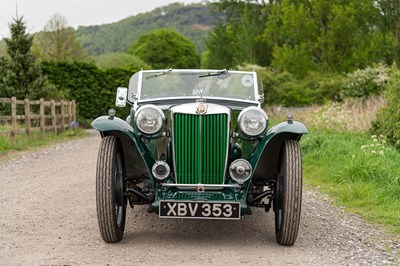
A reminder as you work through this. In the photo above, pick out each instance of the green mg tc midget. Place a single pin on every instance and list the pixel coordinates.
(196, 145)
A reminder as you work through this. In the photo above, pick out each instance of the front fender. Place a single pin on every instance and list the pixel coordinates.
(265, 156)
(137, 156)
(110, 123)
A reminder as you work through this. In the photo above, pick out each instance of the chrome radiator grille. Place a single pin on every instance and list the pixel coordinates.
(200, 148)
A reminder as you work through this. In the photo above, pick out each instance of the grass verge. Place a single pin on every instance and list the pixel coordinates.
(23, 143)
(360, 171)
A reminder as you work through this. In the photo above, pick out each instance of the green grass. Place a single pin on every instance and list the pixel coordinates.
(23, 143)
(359, 171)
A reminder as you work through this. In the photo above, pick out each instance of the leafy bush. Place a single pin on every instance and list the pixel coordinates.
(365, 82)
(387, 121)
(282, 88)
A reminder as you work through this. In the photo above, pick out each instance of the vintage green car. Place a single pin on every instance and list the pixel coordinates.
(197, 145)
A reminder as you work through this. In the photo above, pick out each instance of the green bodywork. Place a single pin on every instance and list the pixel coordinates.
(140, 155)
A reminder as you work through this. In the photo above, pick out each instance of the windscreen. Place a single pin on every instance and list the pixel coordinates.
(218, 84)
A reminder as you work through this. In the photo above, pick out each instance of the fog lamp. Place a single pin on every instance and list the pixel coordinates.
(160, 170)
(240, 170)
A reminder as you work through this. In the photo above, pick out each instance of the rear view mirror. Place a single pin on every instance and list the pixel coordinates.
(120, 100)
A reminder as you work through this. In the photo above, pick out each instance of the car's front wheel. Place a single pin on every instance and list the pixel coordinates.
(110, 199)
(288, 192)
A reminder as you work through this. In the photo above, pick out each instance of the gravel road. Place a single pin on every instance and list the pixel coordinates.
(48, 217)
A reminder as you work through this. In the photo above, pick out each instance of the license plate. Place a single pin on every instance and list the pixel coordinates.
(199, 210)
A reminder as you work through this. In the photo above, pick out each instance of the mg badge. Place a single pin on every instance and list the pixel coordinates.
(201, 108)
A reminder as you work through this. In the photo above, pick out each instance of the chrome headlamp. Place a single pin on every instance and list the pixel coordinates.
(149, 119)
(253, 121)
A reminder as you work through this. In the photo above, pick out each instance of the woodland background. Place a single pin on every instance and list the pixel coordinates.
(306, 52)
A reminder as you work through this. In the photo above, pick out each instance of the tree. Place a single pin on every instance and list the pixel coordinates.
(165, 48)
(236, 40)
(390, 23)
(3, 48)
(21, 75)
(120, 60)
(57, 41)
(219, 53)
(338, 36)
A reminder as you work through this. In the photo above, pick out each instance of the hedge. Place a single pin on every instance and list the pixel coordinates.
(93, 88)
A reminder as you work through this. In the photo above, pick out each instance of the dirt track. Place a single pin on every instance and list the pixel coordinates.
(48, 217)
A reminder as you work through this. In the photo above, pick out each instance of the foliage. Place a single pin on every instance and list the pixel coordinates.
(338, 37)
(387, 121)
(21, 76)
(57, 41)
(360, 171)
(3, 49)
(92, 88)
(283, 88)
(165, 48)
(366, 82)
(192, 20)
(236, 40)
(120, 60)
(219, 54)
(390, 25)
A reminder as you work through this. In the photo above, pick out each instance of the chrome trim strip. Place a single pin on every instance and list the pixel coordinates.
(197, 98)
(167, 103)
(195, 186)
(190, 109)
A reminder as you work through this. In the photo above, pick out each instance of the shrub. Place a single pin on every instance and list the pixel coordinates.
(365, 82)
(387, 121)
(282, 88)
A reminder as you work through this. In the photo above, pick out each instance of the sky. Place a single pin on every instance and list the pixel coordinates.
(37, 13)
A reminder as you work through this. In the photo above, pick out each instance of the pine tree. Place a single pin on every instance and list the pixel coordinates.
(21, 75)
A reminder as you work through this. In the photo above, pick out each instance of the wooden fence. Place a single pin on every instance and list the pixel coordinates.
(39, 115)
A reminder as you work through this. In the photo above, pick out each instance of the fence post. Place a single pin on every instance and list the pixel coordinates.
(42, 117)
(69, 112)
(53, 116)
(28, 117)
(14, 119)
(74, 114)
(62, 116)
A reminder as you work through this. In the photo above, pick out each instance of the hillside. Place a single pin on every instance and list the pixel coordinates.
(194, 21)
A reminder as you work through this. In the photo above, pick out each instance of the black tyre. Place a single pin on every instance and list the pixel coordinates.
(287, 202)
(110, 199)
